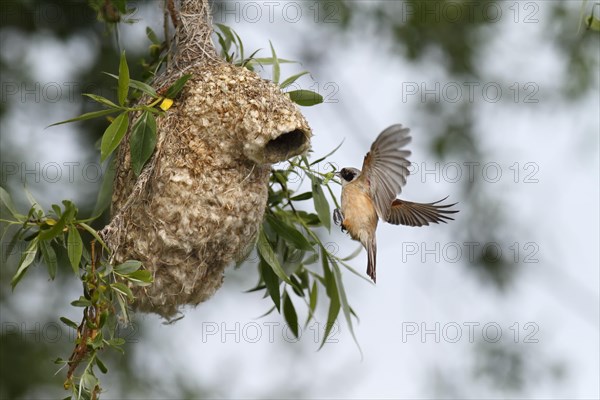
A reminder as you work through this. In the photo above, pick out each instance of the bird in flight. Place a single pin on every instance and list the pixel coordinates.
(370, 194)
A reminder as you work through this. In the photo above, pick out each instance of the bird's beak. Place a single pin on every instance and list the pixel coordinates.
(338, 174)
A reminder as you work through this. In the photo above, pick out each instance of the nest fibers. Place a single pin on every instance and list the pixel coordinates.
(198, 204)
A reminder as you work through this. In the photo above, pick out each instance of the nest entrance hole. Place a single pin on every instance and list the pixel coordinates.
(286, 145)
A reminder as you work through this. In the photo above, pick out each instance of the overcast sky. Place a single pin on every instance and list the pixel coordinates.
(546, 153)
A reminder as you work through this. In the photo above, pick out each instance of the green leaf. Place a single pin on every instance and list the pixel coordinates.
(49, 256)
(106, 189)
(347, 310)
(276, 68)
(266, 252)
(292, 79)
(59, 226)
(113, 135)
(328, 154)
(593, 23)
(332, 293)
(101, 366)
(312, 304)
(270, 60)
(90, 115)
(142, 141)
(271, 282)
(81, 302)
(128, 267)
(140, 277)
(26, 259)
(321, 204)
(8, 203)
(289, 313)
(102, 100)
(35, 205)
(138, 85)
(303, 196)
(74, 248)
(69, 323)
(94, 233)
(152, 36)
(123, 89)
(305, 98)
(289, 232)
(123, 289)
(229, 38)
(8, 250)
(176, 87)
(88, 381)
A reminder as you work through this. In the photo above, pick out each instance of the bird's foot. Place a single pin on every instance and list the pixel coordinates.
(338, 217)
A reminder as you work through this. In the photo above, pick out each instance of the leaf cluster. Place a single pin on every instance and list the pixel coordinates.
(106, 290)
(294, 261)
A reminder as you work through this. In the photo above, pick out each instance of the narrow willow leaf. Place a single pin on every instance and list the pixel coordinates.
(123, 88)
(128, 267)
(176, 87)
(49, 256)
(138, 85)
(8, 203)
(328, 154)
(35, 205)
(321, 204)
(69, 323)
(113, 135)
(292, 79)
(81, 302)
(276, 68)
(347, 310)
(266, 251)
(269, 61)
(303, 196)
(305, 98)
(140, 277)
(312, 304)
(26, 260)
(289, 232)
(106, 189)
(271, 282)
(90, 115)
(290, 315)
(240, 44)
(58, 227)
(142, 141)
(123, 289)
(332, 314)
(102, 100)
(228, 35)
(101, 366)
(152, 36)
(74, 248)
(94, 233)
(8, 250)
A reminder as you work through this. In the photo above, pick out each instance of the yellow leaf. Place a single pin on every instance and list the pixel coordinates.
(50, 221)
(166, 104)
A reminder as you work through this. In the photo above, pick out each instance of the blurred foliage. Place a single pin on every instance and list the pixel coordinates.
(414, 36)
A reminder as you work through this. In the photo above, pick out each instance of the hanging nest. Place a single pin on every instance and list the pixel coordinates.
(199, 202)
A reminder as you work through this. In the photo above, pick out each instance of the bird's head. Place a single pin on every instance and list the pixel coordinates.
(347, 174)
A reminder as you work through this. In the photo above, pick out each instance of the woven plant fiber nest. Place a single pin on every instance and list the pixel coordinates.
(198, 204)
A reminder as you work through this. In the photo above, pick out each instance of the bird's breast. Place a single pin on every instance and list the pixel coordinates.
(360, 216)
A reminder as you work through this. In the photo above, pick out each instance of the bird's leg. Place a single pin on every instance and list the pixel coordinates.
(338, 218)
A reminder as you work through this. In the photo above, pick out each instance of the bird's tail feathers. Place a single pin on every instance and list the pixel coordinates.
(371, 257)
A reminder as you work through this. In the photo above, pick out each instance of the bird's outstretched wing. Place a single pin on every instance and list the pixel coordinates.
(419, 214)
(385, 167)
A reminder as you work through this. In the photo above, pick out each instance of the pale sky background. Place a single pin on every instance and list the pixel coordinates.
(558, 215)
